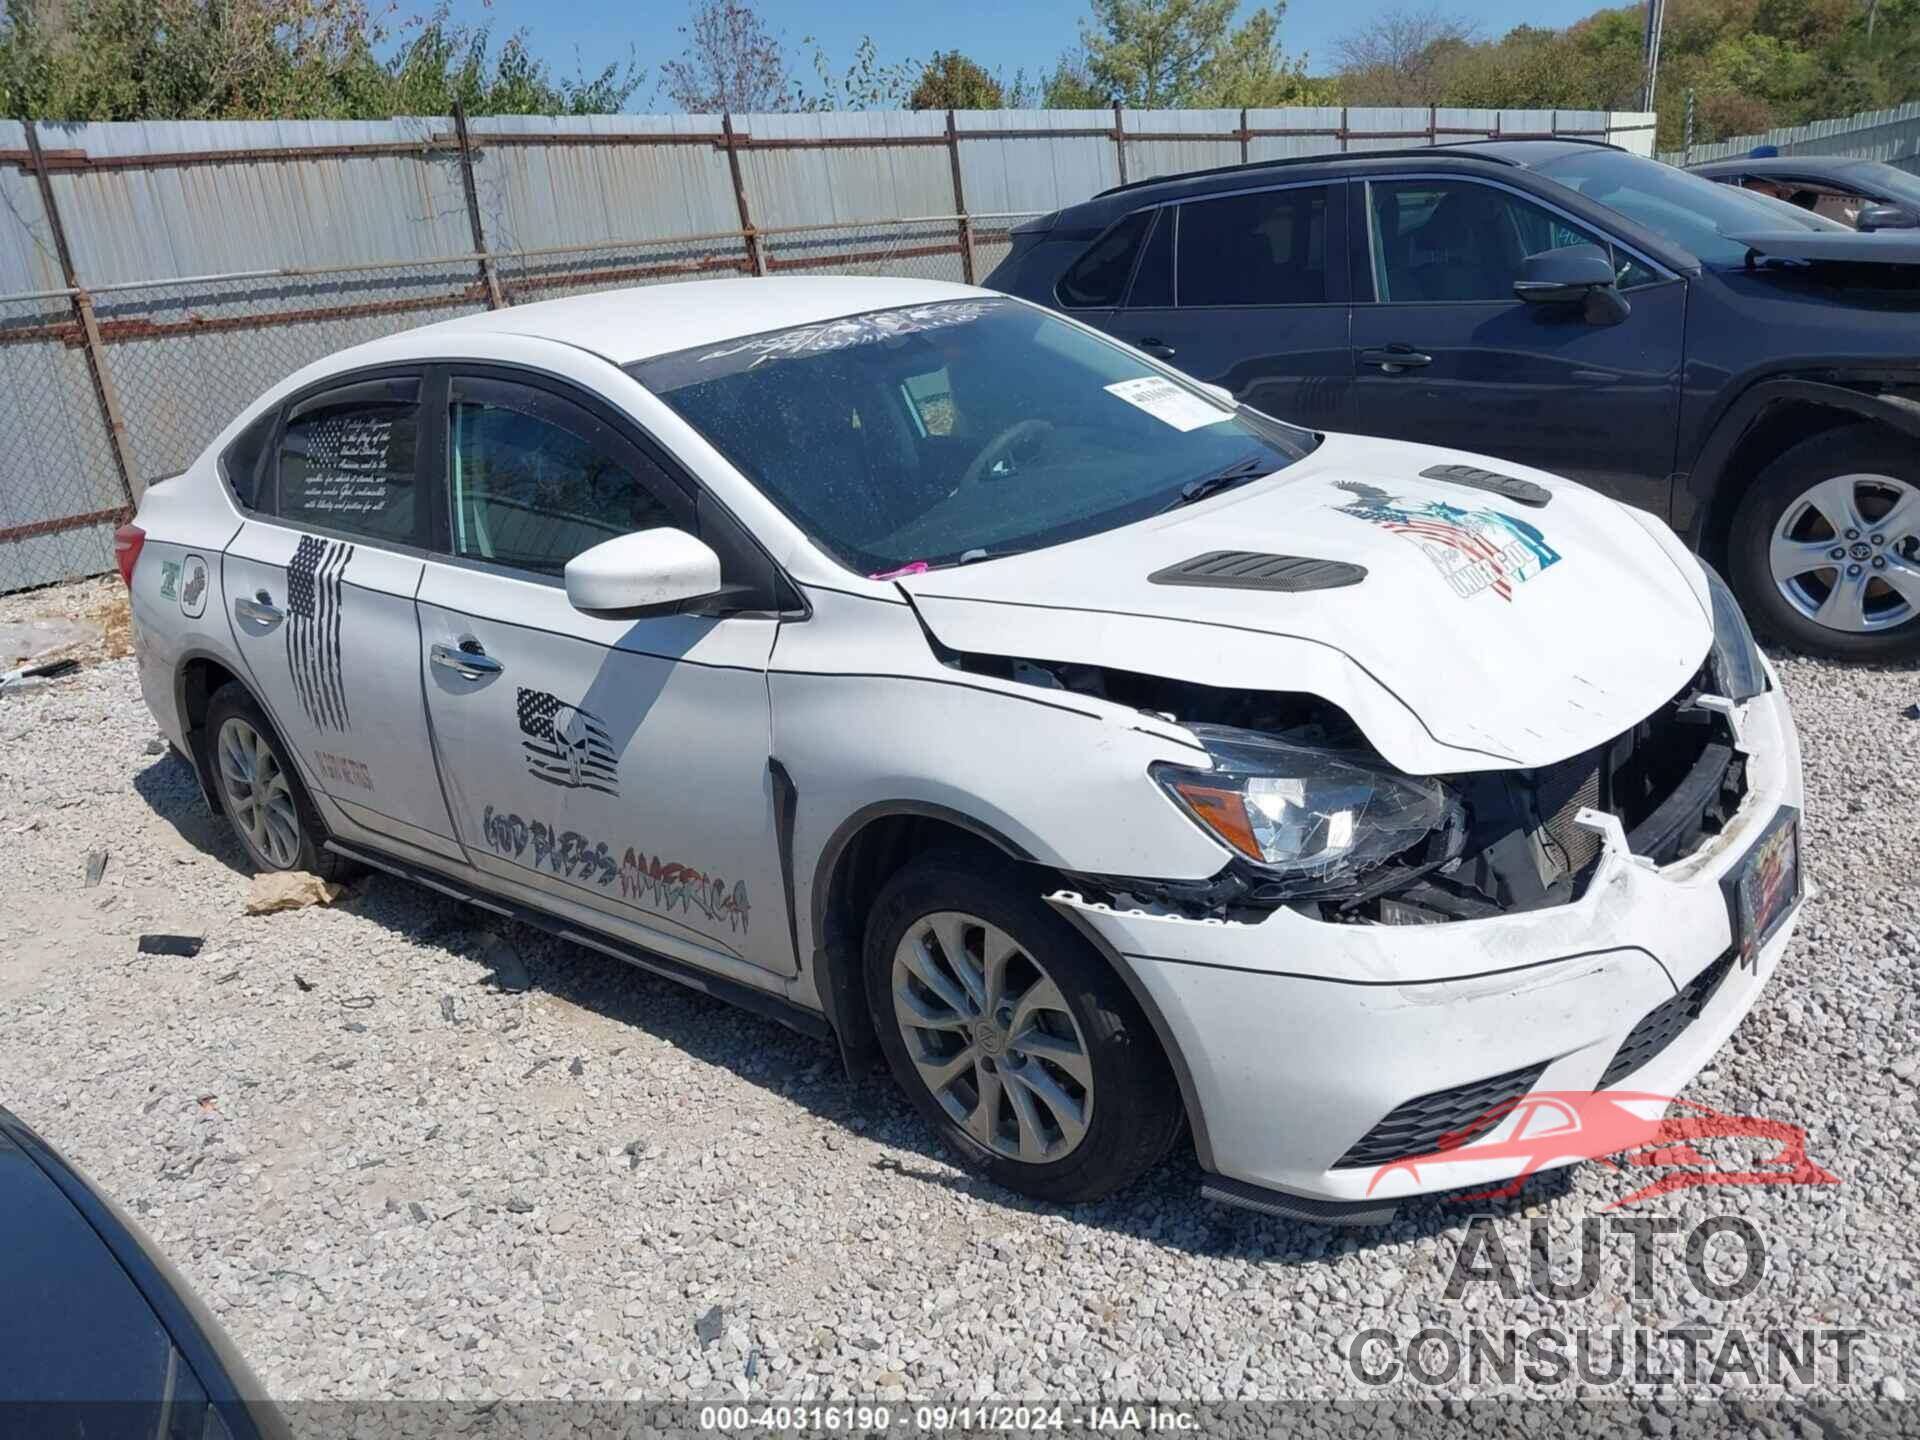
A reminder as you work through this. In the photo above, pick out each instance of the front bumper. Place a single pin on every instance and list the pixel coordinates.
(1295, 1037)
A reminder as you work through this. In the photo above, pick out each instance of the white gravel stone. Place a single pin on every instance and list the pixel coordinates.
(397, 1184)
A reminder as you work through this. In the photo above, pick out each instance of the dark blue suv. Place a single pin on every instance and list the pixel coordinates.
(1744, 368)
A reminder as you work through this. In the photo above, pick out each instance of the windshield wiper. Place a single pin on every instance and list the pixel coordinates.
(1252, 467)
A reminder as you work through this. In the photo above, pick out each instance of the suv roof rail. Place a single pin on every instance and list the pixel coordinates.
(1283, 161)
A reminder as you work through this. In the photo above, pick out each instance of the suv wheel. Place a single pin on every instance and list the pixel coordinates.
(1825, 549)
(261, 791)
(1023, 1050)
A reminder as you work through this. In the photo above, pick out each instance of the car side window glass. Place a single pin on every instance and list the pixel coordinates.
(243, 462)
(532, 481)
(1267, 248)
(346, 461)
(1451, 240)
(1153, 281)
(1099, 277)
(930, 401)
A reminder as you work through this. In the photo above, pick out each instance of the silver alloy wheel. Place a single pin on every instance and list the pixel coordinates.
(259, 793)
(992, 1037)
(1846, 554)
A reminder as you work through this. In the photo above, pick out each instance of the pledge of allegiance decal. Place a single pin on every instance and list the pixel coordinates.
(658, 883)
(1473, 550)
(565, 745)
(313, 629)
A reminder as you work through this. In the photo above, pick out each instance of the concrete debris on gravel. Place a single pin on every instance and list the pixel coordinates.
(426, 1210)
(274, 891)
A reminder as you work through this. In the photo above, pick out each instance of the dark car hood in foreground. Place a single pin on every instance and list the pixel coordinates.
(1877, 247)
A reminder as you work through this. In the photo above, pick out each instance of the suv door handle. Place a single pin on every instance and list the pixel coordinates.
(474, 664)
(260, 611)
(1395, 358)
(1159, 349)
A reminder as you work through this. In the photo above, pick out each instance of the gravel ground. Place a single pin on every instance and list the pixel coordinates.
(394, 1172)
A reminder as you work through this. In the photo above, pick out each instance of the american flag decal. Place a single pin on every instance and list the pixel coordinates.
(313, 629)
(565, 745)
(1474, 550)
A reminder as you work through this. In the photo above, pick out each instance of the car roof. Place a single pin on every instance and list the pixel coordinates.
(1814, 165)
(1525, 154)
(648, 320)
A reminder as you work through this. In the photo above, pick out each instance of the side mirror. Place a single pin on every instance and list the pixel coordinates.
(1573, 275)
(1885, 217)
(647, 570)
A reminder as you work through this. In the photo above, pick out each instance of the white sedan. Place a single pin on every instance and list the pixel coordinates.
(930, 671)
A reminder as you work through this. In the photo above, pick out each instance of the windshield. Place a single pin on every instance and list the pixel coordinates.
(1889, 179)
(1694, 213)
(961, 430)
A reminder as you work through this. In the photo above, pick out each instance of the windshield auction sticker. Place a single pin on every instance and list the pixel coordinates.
(1168, 403)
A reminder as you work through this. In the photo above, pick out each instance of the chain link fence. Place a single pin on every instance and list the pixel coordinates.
(63, 494)
(182, 357)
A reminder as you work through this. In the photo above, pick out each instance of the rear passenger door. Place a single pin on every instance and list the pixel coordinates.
(1444, 353)
(319, 585)
(1249, 291)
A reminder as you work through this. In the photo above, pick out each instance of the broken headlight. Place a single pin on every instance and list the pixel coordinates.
(1736, 659)
(1312, 819)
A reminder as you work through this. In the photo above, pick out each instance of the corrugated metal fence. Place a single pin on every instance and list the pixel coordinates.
(156, 276)
(1889, 135)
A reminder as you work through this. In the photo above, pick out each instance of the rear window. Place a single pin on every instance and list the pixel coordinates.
(1263, 249)
(1099, 277)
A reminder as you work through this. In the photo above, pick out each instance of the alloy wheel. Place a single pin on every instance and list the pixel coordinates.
(259, 793)
(992, 1037)
(1846, 553)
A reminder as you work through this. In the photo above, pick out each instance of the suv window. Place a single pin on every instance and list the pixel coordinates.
(1453, 240)
(1268, 248)
(346, 460)
(1099, 277)
(533, 479)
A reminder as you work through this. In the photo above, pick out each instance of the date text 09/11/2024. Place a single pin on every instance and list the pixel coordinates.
(864, 1419)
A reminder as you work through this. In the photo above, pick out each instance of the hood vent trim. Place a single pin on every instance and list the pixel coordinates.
(1254, 570)
(1521, 492)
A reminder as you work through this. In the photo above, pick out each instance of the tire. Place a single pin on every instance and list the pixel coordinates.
(293, 835)
(1872, 470)
(1131, 1110)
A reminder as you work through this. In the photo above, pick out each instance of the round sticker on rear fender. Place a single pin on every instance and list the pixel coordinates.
(193, 587)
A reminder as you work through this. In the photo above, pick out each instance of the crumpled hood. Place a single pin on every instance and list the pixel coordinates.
(1486, 632)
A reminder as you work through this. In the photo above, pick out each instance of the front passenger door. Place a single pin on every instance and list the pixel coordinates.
(1444, 353)
(615, 765)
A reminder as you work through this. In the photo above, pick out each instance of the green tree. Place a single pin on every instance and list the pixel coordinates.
(1070, 85)
(264, 59)
(953, 82)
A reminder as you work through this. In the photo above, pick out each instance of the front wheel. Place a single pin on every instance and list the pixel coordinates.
(1825, 548)
(1014, 1039)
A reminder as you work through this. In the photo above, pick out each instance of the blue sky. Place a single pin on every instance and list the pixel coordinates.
(1001, 34)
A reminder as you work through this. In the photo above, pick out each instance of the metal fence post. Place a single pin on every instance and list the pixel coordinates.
(109, 399)
(1120, 140)
(960, 201)
(755, 262)
(495, 300)
(1245, 136)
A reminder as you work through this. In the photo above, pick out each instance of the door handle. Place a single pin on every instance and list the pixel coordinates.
(260, 610)
(474, 664)
(1395, 358)
(1159, 349)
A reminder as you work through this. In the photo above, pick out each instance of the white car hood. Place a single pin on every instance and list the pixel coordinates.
(1580, 625)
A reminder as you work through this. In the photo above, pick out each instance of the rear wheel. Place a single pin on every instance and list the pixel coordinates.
(1015, 1041)
(1825, 548)
(260, 790)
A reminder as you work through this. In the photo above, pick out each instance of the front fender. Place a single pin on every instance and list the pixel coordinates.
(1694, 499)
